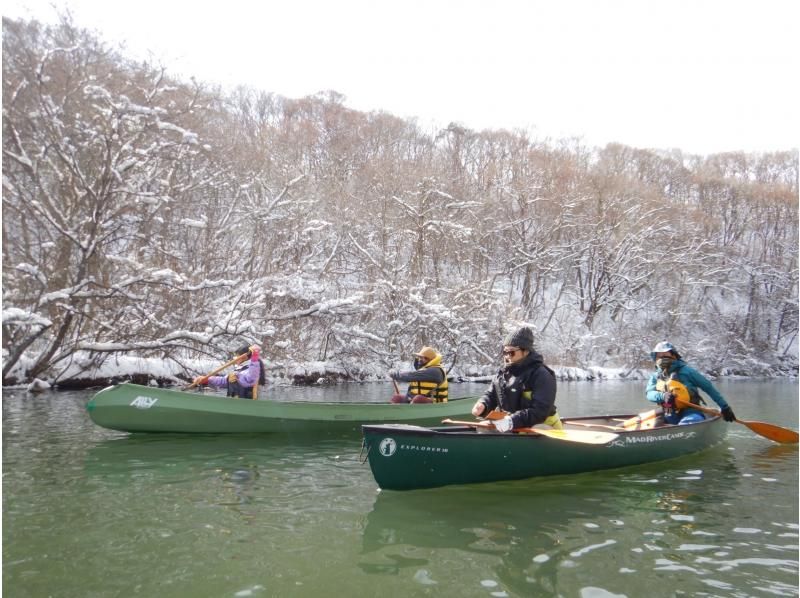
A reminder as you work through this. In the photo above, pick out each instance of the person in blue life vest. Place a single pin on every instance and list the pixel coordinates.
(245, 378)
(427, 382)
(670, 366)
(524, 388)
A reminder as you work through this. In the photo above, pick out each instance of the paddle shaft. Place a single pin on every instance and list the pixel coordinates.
(771, 431)
(236, 360)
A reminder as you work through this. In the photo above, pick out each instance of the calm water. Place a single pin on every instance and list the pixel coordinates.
(89, 512)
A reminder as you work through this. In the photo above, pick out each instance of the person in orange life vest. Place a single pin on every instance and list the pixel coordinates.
(524, 387)
(244, 377)
(670, 366)
(427, 381)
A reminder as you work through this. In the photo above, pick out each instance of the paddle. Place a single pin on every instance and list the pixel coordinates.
(771, 431)
(236, 360)
(581, 436)
(643, 421)
(397, 397)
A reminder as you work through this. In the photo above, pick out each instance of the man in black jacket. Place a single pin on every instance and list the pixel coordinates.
(525, 388)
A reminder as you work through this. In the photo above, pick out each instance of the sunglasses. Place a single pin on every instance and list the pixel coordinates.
(510, 352)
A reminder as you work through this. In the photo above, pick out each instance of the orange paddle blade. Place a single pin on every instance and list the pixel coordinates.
(771, 431)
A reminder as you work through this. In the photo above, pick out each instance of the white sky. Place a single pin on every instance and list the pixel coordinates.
(700, 75)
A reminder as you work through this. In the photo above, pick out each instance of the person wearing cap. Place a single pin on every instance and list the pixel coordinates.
(245, 378)
(670, 366)
(524, 388)
(427, 381)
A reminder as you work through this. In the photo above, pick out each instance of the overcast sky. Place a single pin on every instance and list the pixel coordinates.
(700, 75)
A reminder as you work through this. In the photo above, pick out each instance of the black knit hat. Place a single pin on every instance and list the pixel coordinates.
(522, 338)
(241, 351)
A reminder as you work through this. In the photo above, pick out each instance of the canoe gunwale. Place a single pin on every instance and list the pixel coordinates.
(469, 430)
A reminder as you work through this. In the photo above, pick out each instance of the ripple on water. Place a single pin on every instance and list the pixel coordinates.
(423, 576)
(696, 547)
(249, 591)
(582, 551)
(682, 517)
(593, 592)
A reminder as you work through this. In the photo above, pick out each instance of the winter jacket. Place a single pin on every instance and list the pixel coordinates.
(247, 374)
(689, 377)
(526, 389)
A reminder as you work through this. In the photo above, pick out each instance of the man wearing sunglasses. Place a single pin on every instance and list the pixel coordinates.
(524, 388)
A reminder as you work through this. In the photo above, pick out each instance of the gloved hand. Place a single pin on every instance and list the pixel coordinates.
(255, 351)
(393, 374)
(727, 414)
(504, 425)
(668, 400)
(201, 380)
(232, 378)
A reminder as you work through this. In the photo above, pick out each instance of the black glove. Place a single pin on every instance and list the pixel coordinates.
(728, 415)
(668, 400)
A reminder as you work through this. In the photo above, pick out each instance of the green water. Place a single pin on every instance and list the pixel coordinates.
(89, 512)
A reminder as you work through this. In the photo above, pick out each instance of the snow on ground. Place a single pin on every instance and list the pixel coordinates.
(312, 372)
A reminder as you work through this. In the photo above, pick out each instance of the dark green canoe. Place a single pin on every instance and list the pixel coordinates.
(406, 457)
(135, 408)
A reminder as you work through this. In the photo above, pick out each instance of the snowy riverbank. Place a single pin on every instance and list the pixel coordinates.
(153, 372)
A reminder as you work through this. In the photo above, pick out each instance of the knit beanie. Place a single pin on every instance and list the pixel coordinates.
(522, 338)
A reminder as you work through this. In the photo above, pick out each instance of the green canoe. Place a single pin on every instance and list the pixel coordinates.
(135, 408)
(407, 457)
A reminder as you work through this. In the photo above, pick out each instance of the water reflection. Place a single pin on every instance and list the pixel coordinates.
(774, 456)
(169, 455)
(538, 535)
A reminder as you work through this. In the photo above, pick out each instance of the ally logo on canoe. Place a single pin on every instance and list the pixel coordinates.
(141, 402)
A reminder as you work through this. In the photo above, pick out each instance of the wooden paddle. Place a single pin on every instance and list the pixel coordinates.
(397, 397)
(644, 421)
(771, 431)
(582, 436)
(236, 360)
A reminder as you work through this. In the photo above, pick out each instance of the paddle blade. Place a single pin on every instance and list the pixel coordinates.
(421, 399)
(771, 431)
(644, 421)
(581, 436)
(496, 414)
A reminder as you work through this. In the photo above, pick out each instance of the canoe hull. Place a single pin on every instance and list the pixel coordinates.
(410, 457)
(134, 408)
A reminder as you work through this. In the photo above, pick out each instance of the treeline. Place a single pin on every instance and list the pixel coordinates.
(164, 218)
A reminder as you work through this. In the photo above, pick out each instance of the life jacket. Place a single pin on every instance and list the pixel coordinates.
(670, 382)
(235, 389)
(437, 392)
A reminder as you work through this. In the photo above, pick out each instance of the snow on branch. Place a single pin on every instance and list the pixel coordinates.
(334, 306)
(20, 317)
